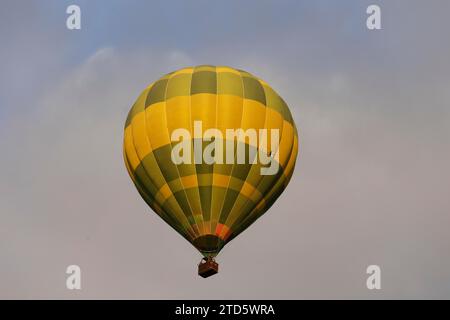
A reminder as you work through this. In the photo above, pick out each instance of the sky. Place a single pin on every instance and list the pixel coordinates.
(370, 186)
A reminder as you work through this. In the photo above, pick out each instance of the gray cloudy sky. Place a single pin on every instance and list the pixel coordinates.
(372, 179)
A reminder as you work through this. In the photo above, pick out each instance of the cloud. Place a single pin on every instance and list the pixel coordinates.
(370, 186)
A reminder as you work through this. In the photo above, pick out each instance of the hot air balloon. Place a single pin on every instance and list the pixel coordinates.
(207, 202)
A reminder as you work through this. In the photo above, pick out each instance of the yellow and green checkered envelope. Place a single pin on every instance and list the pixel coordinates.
(208, 204)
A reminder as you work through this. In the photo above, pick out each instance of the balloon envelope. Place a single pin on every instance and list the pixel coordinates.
(209, 204)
